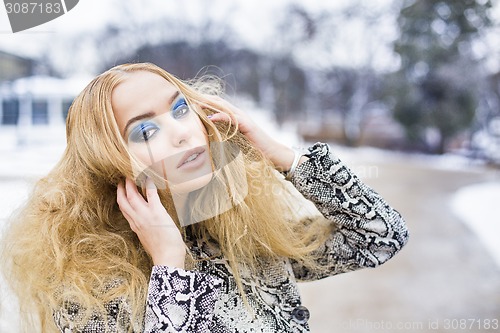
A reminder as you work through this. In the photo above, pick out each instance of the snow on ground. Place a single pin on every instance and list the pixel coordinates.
(473, 204)
(476, 206)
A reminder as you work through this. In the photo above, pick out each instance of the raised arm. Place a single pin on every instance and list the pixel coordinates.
(178, 300)
(367, 232)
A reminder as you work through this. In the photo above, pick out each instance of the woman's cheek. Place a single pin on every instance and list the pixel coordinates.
(199, 127)
(148, 157)
(141, 153)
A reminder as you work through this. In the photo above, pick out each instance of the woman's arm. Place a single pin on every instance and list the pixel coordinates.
(177, 300)
(367, 232)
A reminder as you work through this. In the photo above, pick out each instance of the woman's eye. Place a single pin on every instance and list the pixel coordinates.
(180, 109)
(143, 132)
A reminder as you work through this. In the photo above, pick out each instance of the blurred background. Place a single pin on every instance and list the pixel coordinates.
(407, 92)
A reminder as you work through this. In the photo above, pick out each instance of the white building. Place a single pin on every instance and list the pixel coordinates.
(31, 105)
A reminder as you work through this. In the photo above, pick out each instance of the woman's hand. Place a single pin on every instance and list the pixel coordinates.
(153, 225)
(281, 155)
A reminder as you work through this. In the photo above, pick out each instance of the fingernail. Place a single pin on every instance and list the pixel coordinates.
(210, 116)
(150, 184)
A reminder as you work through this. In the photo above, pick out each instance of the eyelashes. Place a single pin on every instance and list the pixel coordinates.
(180, 108)
(145, 130)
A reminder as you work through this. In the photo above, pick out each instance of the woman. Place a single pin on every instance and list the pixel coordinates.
(166, 214)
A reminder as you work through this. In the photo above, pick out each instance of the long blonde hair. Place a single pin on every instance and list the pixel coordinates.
(70, 242)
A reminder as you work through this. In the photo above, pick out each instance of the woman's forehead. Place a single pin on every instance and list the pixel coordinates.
(140, 92)
(138, 86)
(143, 80)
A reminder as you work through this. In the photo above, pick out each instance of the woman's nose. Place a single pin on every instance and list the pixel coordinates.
(180, 135)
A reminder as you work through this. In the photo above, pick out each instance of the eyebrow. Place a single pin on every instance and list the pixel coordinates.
(149, 114)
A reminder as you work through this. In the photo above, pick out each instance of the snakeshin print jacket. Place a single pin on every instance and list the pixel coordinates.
(368, 233)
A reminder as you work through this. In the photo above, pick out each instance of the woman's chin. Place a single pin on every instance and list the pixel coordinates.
(189, 186)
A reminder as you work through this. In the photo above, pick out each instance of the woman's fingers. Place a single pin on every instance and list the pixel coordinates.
(230, 113)
(134, 206)
(131, 222)
(279, 154)
(122, 199)
(134, 198)
(165, 245)
(152, 192)
(220, 116)
(124, 205)
(130, 189)
(217, 103)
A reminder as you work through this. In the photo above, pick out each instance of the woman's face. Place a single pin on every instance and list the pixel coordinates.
(161, 130)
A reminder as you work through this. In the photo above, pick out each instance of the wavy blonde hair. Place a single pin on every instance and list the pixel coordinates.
(71, 243)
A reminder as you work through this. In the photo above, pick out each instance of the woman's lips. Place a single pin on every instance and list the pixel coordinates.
(192, 159)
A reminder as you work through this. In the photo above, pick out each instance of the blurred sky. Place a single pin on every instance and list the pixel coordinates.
(253, 21)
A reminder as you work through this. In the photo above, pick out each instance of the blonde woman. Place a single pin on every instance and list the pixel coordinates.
(167, 213)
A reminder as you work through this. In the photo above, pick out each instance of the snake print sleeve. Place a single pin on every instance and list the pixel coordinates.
(367, 232)
(180, 300)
